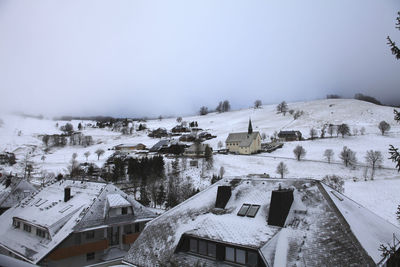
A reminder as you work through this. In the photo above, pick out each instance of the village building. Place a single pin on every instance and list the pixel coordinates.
(245, 143)
(72, 223)
(197, 150)
(130, 147)
(169, 146)
(285, 136)
(265, 222)
(13, 190)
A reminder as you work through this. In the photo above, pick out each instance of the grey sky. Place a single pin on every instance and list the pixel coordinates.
(130, 58)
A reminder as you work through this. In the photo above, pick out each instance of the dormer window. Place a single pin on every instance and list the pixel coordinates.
(16, 223)
(40, 232)
(27, 228)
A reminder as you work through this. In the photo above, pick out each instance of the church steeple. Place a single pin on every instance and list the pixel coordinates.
(250, 130)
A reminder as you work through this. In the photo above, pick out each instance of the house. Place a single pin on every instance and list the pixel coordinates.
(168, 146)
(289, 136)
(71, 223)
(180, 129)
(7, 158)
(12, 191)
(130, 147)
(158, 133)
(197, 150)
(265, 222)
(245, 143)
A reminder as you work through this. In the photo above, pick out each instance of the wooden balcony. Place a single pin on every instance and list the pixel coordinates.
(129, 238)
(62, 253)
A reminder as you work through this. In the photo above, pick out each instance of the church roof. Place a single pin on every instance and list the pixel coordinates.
(244, 139)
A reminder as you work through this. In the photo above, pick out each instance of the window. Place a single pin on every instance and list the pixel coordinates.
(90, 256)
(241, 256)
(253, 211)
(77, 238)
(128, 229)
(27, 228)
(229, 254)
(211, 249)
(252, 258)
(90, 235)
(243, 210)
(248, 210)
(193, 245)
(16, 223)
(40, 232)
(203, 247)
(137, 227)
(124, 210)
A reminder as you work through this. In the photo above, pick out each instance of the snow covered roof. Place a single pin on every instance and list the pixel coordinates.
(315, 233)
(47, 209)
(244, 139)
(117, 201)
(18, 190)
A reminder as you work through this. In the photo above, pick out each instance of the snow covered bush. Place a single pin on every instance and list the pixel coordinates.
(334, 181)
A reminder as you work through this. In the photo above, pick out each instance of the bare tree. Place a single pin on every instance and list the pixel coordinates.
(179, 119)
(348, 156)
(373, 158)
(73, 168)
(334, 181)
(313, 133)
(257, 103)
(299, 152)
(331, 129)
(282, 108)
(203, 110)
(343, 129)
(221, 172)
(282, 169)
(220, 144)
(328, 154)
(87, 154)
(384, 127)
(263, 136)
(99, 152)
(362, 130)
(355, 131)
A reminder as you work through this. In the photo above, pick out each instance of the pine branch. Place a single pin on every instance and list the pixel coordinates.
(395, 156)
(395, 50)
(396, 115)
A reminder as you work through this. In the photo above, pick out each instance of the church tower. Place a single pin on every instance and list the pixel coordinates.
(250, 130)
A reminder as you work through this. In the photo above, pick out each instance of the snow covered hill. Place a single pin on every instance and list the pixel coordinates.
(21, 135)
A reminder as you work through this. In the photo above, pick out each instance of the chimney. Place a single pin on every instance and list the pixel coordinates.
(67, 194)
(223, 195)
(281, 201)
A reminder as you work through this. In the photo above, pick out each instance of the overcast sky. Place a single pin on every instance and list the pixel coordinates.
(136, 58)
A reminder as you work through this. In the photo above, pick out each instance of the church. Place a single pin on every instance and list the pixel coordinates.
(244, 143)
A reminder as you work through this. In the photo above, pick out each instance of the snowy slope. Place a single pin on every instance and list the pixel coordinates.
(316, 113)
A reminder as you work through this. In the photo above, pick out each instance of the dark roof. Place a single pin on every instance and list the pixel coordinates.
(320, 229)
(285, 133)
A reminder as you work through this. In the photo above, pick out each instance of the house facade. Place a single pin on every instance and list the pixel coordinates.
(71, 223)
(289, 136)
(265, 222)
(244, 143)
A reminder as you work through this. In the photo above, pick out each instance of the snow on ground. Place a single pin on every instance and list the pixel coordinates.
(20, 135)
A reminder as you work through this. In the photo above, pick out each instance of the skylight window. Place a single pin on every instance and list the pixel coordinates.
(65, 209)
(248, 210)
(252, 211)
(243, 210)
(41, 202)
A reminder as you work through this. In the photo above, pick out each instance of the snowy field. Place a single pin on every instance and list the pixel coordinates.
(20, 135)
